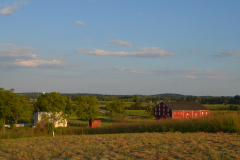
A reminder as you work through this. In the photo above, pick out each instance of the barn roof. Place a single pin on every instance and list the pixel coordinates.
(184, 105)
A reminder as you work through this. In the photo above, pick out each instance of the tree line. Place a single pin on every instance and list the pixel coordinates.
(164, 97)
(14, 106)
(139, 99)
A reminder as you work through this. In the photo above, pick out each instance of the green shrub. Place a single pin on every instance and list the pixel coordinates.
(50, 127)
(41, 127)
(234, 108)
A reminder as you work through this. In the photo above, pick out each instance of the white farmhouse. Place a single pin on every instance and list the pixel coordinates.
(57, 120)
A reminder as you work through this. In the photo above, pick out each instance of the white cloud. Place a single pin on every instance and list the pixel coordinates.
(13, 51)
(231, 52)
(189, 77)
(228, 53)
(80, 23)
(224, 74)
(146, 52)
(140, 13)
(105, 45)
(120, 43)
(6, 44)
(38, 62)
(148, 48)
(132, 70)
(12, 55)
(8, 11)
(191, 51)
(220, 78)
(188, 71)
(166, 15)
(21, 3)
(0, 4)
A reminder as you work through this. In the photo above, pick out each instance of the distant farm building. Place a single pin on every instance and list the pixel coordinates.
(56, 119)
(180, 109)
(95, 123)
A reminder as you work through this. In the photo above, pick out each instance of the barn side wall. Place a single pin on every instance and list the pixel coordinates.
(190, 114)
(162, 111)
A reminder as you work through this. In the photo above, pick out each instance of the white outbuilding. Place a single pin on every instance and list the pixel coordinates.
(56, 118)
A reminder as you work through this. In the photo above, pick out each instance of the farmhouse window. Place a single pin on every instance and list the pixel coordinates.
(174, 112)
(155, 113)
(159, 109)
(177, 112)
(206, 113)
(159, 114)
(168, 109)
(164, 105)
(167, 114)
(155, 109)
(163, 109)
(202, 113)
(181, 112)
(159, 105)
(163, 114)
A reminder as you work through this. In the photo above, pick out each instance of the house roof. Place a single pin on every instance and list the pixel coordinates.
(184, 105)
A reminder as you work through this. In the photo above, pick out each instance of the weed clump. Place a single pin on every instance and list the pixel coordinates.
(44, 127)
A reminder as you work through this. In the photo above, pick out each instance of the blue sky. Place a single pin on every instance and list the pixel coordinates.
(121, 47)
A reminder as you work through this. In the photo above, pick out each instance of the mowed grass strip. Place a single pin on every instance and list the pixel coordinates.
(125, 146)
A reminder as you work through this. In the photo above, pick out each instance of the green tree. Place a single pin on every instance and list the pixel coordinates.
(59, 106)
(149, 108)
(137, 105)
(8, 100)
(225, 102)
(18, 110)
(115, 110)
(28, 113)
(86, 107)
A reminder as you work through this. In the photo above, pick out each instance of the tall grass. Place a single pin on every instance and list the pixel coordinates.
(214, 123)
(228, 123)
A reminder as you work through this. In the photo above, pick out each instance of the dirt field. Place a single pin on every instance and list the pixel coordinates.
(125, 146)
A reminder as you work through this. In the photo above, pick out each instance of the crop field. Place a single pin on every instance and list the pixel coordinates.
(125, 146)
(217, 107)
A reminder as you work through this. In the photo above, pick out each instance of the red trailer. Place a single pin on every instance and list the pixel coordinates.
(180, 109)
(95, 123)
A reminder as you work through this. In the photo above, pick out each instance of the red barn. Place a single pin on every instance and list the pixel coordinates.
(180, 109)
(95, 123)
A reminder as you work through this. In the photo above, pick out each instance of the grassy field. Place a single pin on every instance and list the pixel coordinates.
(217, 107)
(131, 116)
(159, 140)
(125, 146)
